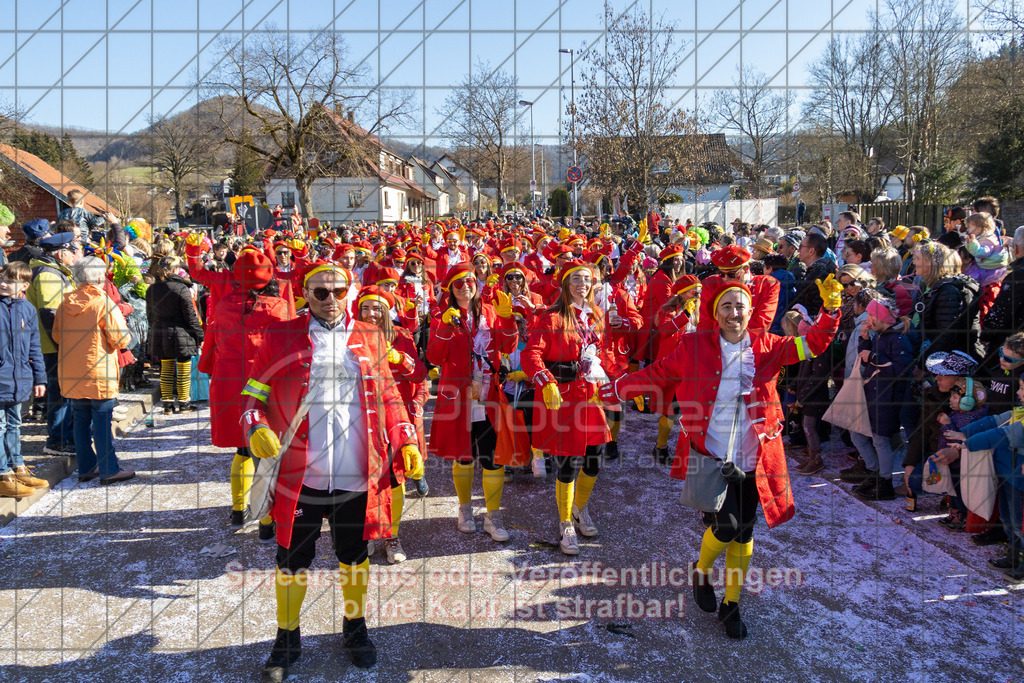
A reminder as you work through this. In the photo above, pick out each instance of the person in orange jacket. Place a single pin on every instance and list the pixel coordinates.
(466, 341)
(724, 380)
(564, 359)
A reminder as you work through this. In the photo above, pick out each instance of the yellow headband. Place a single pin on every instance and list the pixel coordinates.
(324, 268)
(684, 290)
(718, 298)
(374, 297)
(463, 276)
(384, 282)
(510, 248)
(573, 270)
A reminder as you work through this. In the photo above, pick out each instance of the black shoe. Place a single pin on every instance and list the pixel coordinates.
(957, 521)
(240, 518)
(186, 407)
(1005, 562)
(422, 487)
(285, 653)
(89, 476)
(993, 536)
(267, 534)
(880, 489)
(168, 407)
(661, 455)
(856, 474)
(357, 641)
(611, 451)
(729, 614)
(703, 591)
(865, 486)
(1015, 575)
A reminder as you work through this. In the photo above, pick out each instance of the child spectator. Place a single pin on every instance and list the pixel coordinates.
(22, 375)
(990, 258)
(886, 356)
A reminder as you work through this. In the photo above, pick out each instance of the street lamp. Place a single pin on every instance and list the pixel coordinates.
(572, 123)
(533, 162)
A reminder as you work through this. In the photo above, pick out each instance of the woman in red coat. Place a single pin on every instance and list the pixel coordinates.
(563, 357)
(465, 343)
(486, 279)
(417, 286)
(678, 316)
(724, 380)
(374, 305)
(233, 338)
(659, 289)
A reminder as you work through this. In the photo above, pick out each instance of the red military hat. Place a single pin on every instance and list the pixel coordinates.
(671, 251)
(570, 267)
(385, 275)
(414, 254)
(375, 293)
(252, 269)
(553, 250)
(508, 244)
(362, 245)
(463, 270)
(685, 283)
(731, 257)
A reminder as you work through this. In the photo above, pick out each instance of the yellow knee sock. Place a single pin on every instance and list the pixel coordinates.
(639, 401)
(397, 505)
(242, 470)
(494, 483)
(462, 475)
(354, 578)
(737, 561)
(166, 379)
(664, 429)
(537, 453)
(613, 427)
(710, 549)
(564, 497)
(290, 590)
(184, 381)
(267, 520)
(584, 485)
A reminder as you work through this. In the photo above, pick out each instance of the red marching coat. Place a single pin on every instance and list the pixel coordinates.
(765, 291)
(277, 386)
(450, 348)
(233, 338)
(659, 290)
(693, 371)
(621, 342)
(579, 422)
(410, 375)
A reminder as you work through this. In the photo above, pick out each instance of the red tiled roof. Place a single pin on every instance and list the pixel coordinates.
(50, 179)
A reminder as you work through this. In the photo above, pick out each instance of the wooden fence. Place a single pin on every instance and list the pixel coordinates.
(902, 213)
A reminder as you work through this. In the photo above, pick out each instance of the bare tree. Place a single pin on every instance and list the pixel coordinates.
(182, 148)
(480, 122)
(633, 139)
(283, 87)
(758, 114)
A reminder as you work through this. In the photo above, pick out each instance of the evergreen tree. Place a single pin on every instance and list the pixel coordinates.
(247, 173)
(999, 164)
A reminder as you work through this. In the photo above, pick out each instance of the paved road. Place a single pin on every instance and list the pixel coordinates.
(107, 583)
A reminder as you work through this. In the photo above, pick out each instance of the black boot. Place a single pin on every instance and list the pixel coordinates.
(611, 451)
(729, 614)
(661, 455)
(867, 486)
(285, 653)
(703, 591)
(357, 641)
(855, 474)
(993, 536)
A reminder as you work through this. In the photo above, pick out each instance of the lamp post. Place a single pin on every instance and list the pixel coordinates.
(572, 124)
(533, 161)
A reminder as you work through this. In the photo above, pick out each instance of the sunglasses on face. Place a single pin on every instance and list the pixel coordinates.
(1008, 359)
(321, 293)
(464, 283)
(514, 277)
(283, 253)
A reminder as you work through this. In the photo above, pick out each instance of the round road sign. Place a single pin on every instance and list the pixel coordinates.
(574, 174)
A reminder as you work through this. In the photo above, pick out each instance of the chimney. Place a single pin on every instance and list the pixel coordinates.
(352, 115)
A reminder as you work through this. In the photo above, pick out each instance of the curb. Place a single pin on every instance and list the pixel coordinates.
(57, 468)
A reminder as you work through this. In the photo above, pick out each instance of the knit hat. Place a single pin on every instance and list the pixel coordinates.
(6, 215)
(253, 270)
(794, 237)
(951, 363)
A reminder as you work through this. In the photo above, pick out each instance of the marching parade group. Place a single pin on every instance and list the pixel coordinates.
(534, 340)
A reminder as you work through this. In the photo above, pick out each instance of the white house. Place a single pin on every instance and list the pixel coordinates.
(462, 178)
(438, 201)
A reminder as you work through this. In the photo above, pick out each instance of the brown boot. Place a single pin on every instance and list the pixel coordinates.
(23, 475)
(813, 465)
(12, 488)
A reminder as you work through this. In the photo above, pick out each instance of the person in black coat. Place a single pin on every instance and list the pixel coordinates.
(812, 253)
(1007, 313)
(33, 231)
(948, 318)
(175, 332)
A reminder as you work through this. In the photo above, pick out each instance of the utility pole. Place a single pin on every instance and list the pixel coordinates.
(533, 161)
(572, 125)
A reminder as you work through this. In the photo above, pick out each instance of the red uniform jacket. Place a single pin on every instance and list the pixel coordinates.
(659, 290)
(233, 339)
(579, 422)
(451, 348)
(621, 342)
(439, 260)
(692, 373)
(536, 266)
(765, 290)
(410, 375)
(276, 388)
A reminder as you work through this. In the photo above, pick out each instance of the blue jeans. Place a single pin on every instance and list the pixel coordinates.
(93, 425)
(1011, 509)
(876, 451)
(10, 425)
(58, 418)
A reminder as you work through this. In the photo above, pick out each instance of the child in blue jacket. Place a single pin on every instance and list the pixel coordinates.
(22, 375)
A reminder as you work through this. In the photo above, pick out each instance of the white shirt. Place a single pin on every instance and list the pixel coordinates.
(336, 452)
(725, 414)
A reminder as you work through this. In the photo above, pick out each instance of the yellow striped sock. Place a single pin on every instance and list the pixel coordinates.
(710, 549)
(184, 381)
(242, 471)
(563, 497)
(166, 379)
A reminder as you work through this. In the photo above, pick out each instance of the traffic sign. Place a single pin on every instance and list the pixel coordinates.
(797, 186)
(533, 184)
(574, 174)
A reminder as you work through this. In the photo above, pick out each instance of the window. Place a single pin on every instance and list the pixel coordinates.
(287, 199)
(355, 199)
(387, 200)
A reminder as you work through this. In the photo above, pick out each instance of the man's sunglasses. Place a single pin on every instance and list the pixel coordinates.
(321, 293)
(1008, 359)
(283, 252)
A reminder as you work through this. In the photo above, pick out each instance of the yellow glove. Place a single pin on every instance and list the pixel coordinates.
(492, 279)
(194, 239)
(604, 230)
(409, 304)
(413, 461)
(451, 316)
(517, 376)
(433, 373)
(552, 396)
(263, 442)
(831, 292)
(394, 357)
(643, 237)
(502, 304)
(295, 243)
(564, 234)
(690, 305)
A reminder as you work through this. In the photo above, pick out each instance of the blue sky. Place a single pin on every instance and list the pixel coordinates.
(109, 64)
